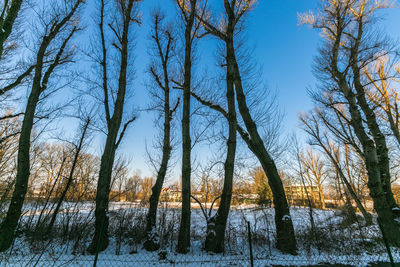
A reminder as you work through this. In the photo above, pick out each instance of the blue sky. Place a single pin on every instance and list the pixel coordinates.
(284, 49)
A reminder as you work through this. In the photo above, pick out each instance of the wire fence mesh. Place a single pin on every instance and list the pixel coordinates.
(334, 241)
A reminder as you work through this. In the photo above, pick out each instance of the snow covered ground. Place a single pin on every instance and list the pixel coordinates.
(330, 242)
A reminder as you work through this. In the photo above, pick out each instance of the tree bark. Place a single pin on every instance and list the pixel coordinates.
(10, 223)
(39, 85)
(216, 225)
(266, 162)
(374, 150)
(286, 241)
(372, 163)
(377, 135)
(184, 229)
(152, 239)
(100, 238)
(379, 139)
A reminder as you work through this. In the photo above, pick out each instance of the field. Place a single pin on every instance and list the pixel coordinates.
(334, 240)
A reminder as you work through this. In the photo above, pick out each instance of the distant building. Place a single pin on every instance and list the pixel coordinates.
(170, 195)
(296, 195)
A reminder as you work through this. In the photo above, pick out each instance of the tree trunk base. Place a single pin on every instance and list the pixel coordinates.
(151, 245)
(214, 242)
(184, 230)
(6, 239)
(368, 220)
(152, 242)
(392, 231)
(182, 250)
(286, 241)
(98, 245)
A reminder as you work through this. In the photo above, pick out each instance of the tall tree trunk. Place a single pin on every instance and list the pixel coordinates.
(381, 205)
(10, 223)
(100, 238)
(216, 225)
(152, 238)
(286, 241)
(39, 84)
(379, 139)
(374, 150)
(379, 144)
(184, 229)
(274, 181)
(382, 152)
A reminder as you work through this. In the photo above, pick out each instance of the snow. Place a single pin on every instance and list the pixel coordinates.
(334, 244)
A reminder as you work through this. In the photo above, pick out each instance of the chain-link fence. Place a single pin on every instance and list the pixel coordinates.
(250, 237)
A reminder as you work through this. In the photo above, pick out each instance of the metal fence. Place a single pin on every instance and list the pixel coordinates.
(249, 241)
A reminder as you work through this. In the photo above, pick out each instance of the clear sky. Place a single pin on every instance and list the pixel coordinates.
(284, 49)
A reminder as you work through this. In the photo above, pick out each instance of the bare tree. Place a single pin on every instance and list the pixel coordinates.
(163, 45)
(83, 184)
(59, 27)
(77, 152)
(216, 225)
(226, 32)
(13, 70)
(9, 133)
(9, 13)
(119, 34)
(119, 177)
(350, 46)
(132, 186)
(315, 171)
(298, 155)
(383, 75)
(187, 10)
(311, 126)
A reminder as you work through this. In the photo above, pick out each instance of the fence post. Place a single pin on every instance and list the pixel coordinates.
(250, 246)
(389, 252)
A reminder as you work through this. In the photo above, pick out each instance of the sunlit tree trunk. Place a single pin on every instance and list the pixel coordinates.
(343, 66)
